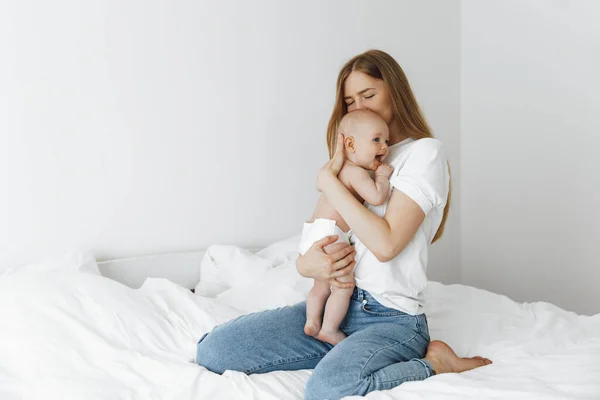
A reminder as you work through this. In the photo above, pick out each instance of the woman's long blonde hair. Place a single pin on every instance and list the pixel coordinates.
(380, 65)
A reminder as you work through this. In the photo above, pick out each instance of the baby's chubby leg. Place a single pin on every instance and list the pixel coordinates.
(335, 311)
(314, 307)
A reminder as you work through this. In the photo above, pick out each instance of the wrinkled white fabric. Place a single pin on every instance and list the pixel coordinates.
(65, 334)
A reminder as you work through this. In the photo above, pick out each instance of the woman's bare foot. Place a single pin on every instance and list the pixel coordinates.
(312, 328)
(443, 359)
(331, 337)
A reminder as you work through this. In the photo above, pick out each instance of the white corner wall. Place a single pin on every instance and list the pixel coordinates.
(530, 140)
(142, 127)
(132, 127)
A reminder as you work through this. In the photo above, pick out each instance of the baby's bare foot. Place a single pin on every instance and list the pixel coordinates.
(331, 337)
(312, 328)
(443, 359)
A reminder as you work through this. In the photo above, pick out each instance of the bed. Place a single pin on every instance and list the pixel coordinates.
(73, 328)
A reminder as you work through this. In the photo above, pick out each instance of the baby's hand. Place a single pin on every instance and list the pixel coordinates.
(384, 170)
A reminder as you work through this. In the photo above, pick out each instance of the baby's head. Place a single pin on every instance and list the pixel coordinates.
(366, 138)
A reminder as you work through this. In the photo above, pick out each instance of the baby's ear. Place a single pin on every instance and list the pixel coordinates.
(349, 143)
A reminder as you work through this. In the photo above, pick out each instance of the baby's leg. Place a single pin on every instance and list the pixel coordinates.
(314, 307)
(335, 311)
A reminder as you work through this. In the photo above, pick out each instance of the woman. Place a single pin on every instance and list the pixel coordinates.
(387, 336)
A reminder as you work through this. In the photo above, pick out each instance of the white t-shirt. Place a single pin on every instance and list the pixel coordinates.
(421, 172)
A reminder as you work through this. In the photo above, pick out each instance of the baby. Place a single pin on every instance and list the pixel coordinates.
(366, 138)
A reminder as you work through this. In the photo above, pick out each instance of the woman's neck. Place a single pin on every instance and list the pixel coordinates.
(396, 135)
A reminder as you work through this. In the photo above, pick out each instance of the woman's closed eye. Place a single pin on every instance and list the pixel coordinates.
(349, 103)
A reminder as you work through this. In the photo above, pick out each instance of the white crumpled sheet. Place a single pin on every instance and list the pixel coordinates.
(66, 334)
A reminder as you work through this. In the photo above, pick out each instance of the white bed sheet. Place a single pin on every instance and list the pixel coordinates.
(66, 334)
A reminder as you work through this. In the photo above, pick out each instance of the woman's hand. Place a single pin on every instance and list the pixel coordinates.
(332, 168)
(326, 262)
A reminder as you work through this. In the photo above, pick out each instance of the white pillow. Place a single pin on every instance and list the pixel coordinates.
(283, 250)
(250, 281)
(55, 318)
(74, 260)
(225, 267)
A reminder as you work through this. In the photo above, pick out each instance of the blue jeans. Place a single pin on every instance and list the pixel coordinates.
(384, 348)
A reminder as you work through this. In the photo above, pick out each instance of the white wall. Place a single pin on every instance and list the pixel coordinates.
(142, 127)
(530, 143)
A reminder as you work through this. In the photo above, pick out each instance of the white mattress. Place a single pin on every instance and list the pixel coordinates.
(68, 333)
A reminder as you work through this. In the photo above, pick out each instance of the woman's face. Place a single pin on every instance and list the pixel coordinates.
(362, 91)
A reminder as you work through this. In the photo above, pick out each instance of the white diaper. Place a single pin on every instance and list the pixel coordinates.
(317, 230)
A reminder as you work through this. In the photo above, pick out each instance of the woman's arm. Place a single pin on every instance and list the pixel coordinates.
(386, 237)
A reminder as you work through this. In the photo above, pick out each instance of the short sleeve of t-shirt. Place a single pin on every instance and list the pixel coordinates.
(424, 176)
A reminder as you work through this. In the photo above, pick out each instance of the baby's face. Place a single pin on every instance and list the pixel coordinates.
(371, 140)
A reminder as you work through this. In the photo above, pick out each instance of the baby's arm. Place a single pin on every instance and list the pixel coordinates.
(373, 192)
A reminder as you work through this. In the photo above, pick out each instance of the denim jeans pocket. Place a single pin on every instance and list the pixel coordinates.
(375, 308)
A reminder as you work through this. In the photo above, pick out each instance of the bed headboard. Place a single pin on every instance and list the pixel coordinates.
(181, 268)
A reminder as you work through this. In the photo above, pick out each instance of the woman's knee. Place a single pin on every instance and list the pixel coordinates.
(219, 350)
(212, 354)
(240, 344)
